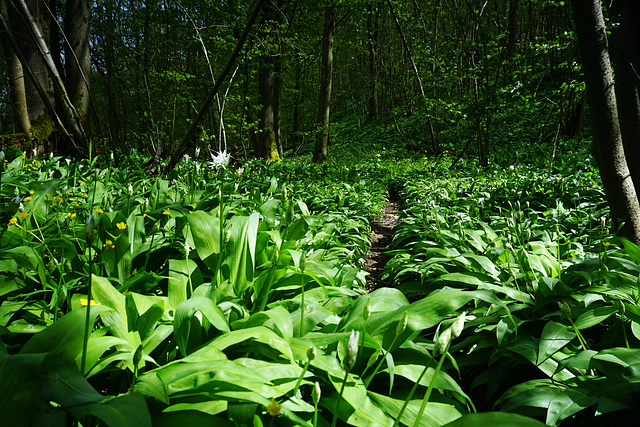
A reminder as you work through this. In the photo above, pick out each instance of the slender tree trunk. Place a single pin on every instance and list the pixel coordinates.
(277, 103)
(626, 61)
(373, 22)
(268, 88)
(110, 69)
(268, 148)
(16, 80)
(607, 138)
(78, 58)
(38, 115)
(326, 78)
(512, 29)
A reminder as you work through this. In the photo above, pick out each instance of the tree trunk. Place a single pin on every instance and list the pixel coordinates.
(512, 29)
(78, 58)
(40, 120)
(268, 132)
(268, 147)
(373, 21)
(16, 80)
(626, 60)
(326, 76)
(607, 138)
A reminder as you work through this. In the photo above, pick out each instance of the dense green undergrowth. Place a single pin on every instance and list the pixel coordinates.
(236, 297)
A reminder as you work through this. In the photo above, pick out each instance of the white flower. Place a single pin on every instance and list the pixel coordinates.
(130, 189)
(221, 159)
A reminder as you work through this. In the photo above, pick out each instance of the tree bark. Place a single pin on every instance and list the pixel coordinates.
(268, 90)
(373, 21)
(16, 80)
(36, 106)
(78, 57)
(626, 60)
(267, 146)
(607, 138)
(326, 78)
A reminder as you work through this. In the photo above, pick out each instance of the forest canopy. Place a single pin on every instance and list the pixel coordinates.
(451, 68)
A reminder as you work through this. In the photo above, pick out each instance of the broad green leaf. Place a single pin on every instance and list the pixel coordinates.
(20, 387)
(192, 415)
(184, 276)
(204, 230)
(356, 409)
(632, 250)
(240, 251)
(612, 361)
(435, 413)
(64, 336)
(554, 337)
(144, 312)
(186, 311)
(277, 319)
(129, 410)
(594, 316)
(63, 383)
(502, 419)
(258, 334)
(106, 294)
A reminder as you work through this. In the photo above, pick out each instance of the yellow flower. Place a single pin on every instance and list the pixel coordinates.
(274, 408)
(23, 215)
(13, 220)
(99, 211)
(606, 244)
(85, 196)
(121, 225)
(76, 205)
(108, 244)
(79, 181)
(32, 192)
(71, 215)
(57, 199)
(28, 199)
(166, 213)
(84, 302)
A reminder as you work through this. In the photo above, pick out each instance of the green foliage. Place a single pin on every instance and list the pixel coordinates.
(225, 296)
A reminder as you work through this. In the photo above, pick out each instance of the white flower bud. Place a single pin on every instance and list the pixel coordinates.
(402, 324)
(367, 310)
(352, 350)
(311, 353)
(442, 342)
(316, 393)
(458, 325)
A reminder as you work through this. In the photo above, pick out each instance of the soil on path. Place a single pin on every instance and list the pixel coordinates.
(381, 237)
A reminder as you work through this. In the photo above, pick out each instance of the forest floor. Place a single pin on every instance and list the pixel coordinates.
(381, 238)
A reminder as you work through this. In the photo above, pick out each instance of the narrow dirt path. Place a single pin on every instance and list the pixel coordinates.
(381, 237)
